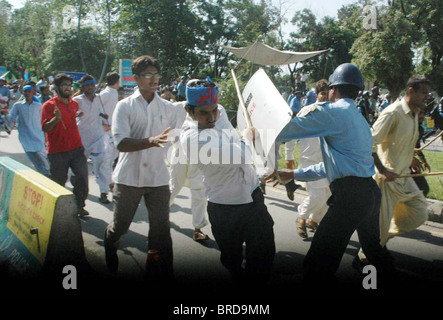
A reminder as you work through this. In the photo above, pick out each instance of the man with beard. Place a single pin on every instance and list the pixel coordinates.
(64, 145)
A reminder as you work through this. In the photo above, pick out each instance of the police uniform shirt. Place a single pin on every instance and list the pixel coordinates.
(345, 140)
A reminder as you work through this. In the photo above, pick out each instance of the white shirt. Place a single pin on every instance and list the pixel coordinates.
(135, 118)
(90, 124)
(109, 98)
(230, 184)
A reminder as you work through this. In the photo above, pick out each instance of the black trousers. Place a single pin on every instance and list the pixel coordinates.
(59, 164)
(233, 225)
(354, 205)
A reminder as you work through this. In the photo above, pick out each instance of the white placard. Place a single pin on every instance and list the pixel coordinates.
(268, 111)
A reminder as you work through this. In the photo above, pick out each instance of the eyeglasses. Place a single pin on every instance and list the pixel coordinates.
(150, 75)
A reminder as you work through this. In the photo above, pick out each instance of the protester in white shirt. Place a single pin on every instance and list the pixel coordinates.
(89, 122)
(314, 207)
(108, 99)
(236, 206)
(140, 127)
(184, 174)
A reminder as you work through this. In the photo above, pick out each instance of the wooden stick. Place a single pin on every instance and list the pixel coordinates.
(427, 144)
(420, 175)
(242, 102)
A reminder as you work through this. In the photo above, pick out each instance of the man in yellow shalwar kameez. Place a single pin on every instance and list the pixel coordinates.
(395, 133)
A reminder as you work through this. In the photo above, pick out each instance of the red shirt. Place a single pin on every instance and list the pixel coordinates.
(64, 136)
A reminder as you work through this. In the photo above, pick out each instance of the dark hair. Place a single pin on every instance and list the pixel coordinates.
(348, 91)
(60, 77)
(321, 85)
(415, 81)
(112, 78)
(85, 78)
(141, 63)
(43, 88)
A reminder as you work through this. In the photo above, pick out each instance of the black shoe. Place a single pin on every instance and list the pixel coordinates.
(82, 212)
(291, 186)
(111, 257)
(104, 198)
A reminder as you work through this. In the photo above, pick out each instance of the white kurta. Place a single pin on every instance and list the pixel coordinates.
(94, 139)
(188, 175)
(314, 206)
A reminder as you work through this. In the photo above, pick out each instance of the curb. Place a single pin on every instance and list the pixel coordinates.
(435, 210)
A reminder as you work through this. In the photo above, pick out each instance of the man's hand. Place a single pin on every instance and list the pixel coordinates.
(284, 175)
(250, 134)
(57, 114)
(290, 164)
(416, 165)
(387, 175)
(427, 166)
(158, 141)
(104, 116)
(80, 114)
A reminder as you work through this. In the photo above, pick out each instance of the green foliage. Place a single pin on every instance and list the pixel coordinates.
(58, 58)
(385, 54)
(326, 34)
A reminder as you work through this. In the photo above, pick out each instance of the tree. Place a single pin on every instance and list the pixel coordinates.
(427, 16)
(326, 34)
(58, 58)
(385, 54)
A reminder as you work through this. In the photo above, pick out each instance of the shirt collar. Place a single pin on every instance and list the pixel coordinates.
(405, 107)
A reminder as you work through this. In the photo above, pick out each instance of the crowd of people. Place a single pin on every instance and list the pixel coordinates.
(355, 149)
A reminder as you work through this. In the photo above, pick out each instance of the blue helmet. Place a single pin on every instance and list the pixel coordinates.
(347, 74)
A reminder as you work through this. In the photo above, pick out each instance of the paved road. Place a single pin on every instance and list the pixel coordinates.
(199, 274)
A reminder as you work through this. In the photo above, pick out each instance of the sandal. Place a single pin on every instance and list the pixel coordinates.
(200, 236)
(311, 224)
(301, 228)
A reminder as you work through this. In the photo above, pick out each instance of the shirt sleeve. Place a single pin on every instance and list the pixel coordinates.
(314, 121)
(14, 113)
(311, 173)
(47, 112)
(121, 127)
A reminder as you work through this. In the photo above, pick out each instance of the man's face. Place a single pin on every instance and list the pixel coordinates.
(322, 96)
(2, 83)
(65, 89)
(28, 94)
(418, 98)
(206, 116)
(88, 88)
(148, 80)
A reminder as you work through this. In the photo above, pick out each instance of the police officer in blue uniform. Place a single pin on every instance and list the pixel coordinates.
(346, 144)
